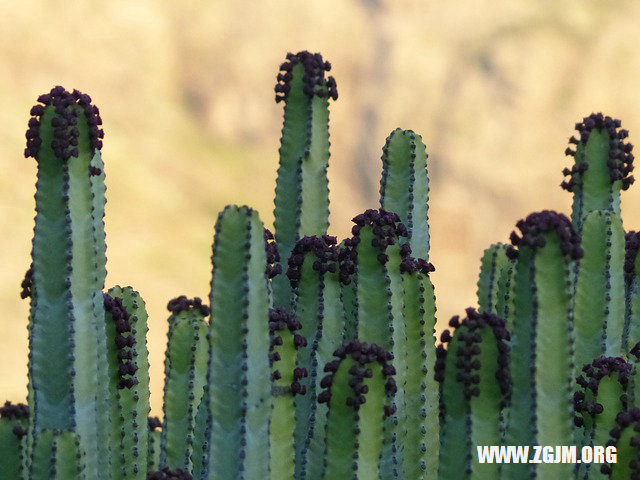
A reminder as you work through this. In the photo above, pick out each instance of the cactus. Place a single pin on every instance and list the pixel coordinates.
(245, 394)
(185, 376)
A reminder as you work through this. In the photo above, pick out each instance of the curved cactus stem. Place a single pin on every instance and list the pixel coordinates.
(185, 378)
(599, 298)
(358, 386)
(128, 359)
(421, 396)
(624, 436)
(494, 266)
(404, 187)
(239, 373)
(67, 365)
(302, 189)
(57, 455)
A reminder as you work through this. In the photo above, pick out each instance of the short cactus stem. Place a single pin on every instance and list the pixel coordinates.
(128, 362)
(404, 187)
(313, 273)
(155, 439)
(67, 363)
(359, 388)
(288, 382)
(603, 391)
(239, 375)
(476, 387)
(624, 436)
(14, 421)
(494, 268)
(302, 189)
(185, 377)
(542, 337)
(603, 163)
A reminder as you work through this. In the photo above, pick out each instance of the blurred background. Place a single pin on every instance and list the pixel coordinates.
(186, 94)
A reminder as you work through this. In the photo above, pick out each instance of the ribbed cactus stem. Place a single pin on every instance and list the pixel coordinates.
(200, 453)
(302, 192)
(288, 378)
(476, 386)
(14, 420)
(67, 365)
(603, 392)
(494, 268)
(155, 439)
(126, 326)
(599, 310)
(419, 413)
(57, 455)
(631, 334)
(603, 162)
(185, 377)
(404, 187)
(313, 276)
(359, 390)
(624, 436)
(239, 373)
(542, 337)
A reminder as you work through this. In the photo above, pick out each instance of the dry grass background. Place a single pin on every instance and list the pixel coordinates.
(186, 94)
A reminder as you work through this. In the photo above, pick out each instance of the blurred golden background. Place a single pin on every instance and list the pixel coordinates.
(186, 94)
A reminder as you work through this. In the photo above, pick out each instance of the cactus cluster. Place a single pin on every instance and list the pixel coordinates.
(315, 359)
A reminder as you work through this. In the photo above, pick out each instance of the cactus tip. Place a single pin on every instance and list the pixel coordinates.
(536, 225)
(313, 76)
(182, 303)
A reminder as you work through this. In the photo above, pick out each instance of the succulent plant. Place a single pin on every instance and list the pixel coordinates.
(316, 358)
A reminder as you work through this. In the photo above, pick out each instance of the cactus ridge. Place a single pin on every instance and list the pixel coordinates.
(65, 132)
(624, 436)
(313, 77)
(280, 321)
(534, 227)
(620, 161)
(273, 255)
(126, 345)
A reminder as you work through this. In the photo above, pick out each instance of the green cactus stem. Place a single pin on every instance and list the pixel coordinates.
(185, 377)
(631, 333)
(57, 455)
(494, 268)
(359, 390)
(603, 162)
(542, 369)
(200, 452)
(599, 310)
(475, 387)
(128, 361)
(624, 436)
(302, 191)
(418, 416)
(601, 395)
(404, 187)
(155, 439)
(67, 367)
(313, 274)
(287, 378)
(14, 420)
(239, 373)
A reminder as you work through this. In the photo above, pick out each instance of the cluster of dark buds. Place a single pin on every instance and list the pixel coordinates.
(313, 76)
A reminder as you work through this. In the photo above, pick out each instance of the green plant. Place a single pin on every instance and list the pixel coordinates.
(316, 358)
